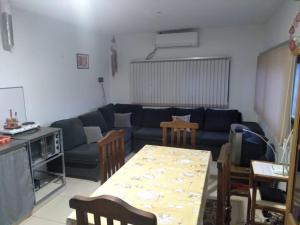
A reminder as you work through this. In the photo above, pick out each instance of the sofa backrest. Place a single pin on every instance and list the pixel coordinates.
(209, 119)
(72, 131)
(107, 112)
(135, 109)
(197, 115)
(94, 119)
(220, 120)
(152, 117)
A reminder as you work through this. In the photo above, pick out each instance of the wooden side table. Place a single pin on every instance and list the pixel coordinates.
(262, 172)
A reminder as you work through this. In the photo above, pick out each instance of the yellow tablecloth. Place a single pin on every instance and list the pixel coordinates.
(169, 182)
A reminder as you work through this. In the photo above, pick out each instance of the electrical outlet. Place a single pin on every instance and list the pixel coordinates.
(100, 79)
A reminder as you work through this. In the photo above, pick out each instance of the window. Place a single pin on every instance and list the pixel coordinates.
(181, 82)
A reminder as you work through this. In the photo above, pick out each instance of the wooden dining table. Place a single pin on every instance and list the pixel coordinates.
(169, 182)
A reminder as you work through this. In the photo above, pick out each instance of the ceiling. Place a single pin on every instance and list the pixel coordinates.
(125, 16)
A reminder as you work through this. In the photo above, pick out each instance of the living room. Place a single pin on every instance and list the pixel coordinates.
(73, 57)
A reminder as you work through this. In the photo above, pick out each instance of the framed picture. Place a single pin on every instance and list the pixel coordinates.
(82, 61)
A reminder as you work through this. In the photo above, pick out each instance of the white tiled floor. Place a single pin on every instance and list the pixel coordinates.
(57, 210)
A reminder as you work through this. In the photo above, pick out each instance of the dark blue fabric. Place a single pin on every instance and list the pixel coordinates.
(72, 131)
(197, 115)
(272, 194)
(220, 120)
(144, 133)
(153, 117)
(210, 138)
(136, 110)
(94, 119)
(128, 132)
(253, 148)
(84, 154)
(206, 138)
(253, 126)
(108, 114)
(269, 155)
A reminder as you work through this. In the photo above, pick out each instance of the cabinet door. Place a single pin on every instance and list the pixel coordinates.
(16, 192)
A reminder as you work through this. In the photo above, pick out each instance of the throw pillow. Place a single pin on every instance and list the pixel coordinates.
(93, 134)
(122, 119)
(135, 109)
(185, 118)
(197, 115)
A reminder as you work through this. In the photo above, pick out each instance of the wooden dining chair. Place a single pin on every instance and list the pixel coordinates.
(111, 153)
(179, 129)
(223, 191)
(111, 208)
(232, 181)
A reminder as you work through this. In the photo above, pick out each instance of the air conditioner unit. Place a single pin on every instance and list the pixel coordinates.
(177, 39)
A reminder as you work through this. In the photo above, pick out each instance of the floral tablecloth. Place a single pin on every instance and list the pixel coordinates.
(169, 182)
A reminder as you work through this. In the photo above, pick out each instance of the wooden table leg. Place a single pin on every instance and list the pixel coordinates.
(253, 203)
(248, 209)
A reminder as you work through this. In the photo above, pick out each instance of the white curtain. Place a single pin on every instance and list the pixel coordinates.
(181, 82)
(274, 90)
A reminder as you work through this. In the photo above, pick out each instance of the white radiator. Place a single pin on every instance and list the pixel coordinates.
(181, 82)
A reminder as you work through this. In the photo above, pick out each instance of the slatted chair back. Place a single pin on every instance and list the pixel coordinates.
(111, 209)
(111, 153)
(179, 130)
(223, 191)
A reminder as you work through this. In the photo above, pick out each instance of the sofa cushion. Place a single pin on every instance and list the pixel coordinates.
(122, 119)
(87, 154)
(153, 117)
(197, 115)
(220, 120)
(152, 134)
(136, 110)
(128, 132)
(210, 138)
(93, 134)
(94, 119)
(108, 114)
(72, 131)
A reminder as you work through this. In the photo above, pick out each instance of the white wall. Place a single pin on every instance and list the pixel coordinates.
(277, 28)
(43, 61)
(242, 44)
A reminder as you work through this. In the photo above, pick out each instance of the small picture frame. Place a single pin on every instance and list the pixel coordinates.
(82, 61)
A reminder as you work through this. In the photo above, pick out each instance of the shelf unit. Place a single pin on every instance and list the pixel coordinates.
(46, 158)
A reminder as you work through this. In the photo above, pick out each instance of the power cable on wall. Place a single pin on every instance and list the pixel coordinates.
(151, 54)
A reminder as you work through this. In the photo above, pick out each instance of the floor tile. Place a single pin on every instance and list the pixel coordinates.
(56, 210)
(80, 187)
(37, 221)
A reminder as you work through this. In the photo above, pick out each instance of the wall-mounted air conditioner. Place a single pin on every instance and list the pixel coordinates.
(177, 39)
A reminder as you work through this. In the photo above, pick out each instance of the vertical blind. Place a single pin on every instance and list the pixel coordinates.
(181, 82)
(274, 90)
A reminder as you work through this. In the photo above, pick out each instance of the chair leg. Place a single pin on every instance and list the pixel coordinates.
(248, 211)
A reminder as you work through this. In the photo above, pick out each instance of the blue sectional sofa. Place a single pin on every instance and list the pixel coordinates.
(82, 159)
